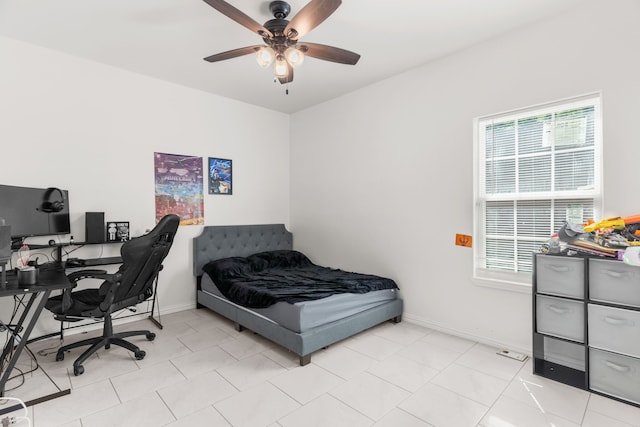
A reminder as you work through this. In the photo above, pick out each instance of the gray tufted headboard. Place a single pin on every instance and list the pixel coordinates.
(224, 241)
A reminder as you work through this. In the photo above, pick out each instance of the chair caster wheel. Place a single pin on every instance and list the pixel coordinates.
(139, 355)
(59, 357)
(151, 336)
(78, 370)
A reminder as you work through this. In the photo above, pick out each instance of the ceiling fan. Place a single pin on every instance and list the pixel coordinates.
(281, 37)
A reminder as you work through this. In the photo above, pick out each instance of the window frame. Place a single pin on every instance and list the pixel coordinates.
(521, 281)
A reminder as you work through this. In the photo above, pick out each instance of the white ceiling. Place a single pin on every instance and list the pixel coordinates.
(168, 39)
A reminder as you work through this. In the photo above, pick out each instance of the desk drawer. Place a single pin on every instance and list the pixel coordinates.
(614, 329)
(560, 317)
(614, 374)
(615, 282)
(561, 276)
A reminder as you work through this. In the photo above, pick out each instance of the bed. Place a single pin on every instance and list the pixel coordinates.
(301, 327)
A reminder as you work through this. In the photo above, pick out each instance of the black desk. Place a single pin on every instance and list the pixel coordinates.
(80, 262)
(49, 280)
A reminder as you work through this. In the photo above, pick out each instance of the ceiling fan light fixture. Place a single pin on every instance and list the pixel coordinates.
(265, 56)
(281, 37)
(294, 56)
(281, 66)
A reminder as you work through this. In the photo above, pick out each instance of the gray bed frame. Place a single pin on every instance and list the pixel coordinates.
(217, 242)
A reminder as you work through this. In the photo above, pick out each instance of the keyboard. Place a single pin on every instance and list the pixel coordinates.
(75, 262)
(90, 262)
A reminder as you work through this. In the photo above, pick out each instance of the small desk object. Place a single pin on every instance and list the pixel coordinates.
(50, 279)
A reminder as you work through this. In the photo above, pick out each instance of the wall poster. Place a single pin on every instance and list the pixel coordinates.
(179, 187)
(220, 176)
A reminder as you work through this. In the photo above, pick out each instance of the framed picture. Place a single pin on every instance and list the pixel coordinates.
(117, 231)
(220, 176)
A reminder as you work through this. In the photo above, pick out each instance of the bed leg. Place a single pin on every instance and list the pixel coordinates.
(239, 327)
(397, 319)
(305, 360)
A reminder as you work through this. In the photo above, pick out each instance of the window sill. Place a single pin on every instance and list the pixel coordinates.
(505, 285)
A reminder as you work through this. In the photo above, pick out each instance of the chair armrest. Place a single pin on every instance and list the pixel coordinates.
(76, 276)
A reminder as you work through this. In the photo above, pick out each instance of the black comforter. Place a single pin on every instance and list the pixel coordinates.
(266, 278)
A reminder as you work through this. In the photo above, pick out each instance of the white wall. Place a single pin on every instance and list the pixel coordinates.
(93, 129)
(382, 178)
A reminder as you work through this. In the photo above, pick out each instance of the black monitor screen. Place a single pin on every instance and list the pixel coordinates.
(35, 211)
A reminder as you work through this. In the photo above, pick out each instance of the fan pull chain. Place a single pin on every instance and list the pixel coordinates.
(286, 89)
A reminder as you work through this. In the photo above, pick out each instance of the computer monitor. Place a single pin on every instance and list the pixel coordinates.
(35, 211)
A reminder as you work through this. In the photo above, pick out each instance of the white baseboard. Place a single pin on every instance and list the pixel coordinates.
(97, 324)
(405, 317)
(466, 335)
(177, 308)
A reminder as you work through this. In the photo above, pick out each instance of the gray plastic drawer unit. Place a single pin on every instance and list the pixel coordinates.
(615, 282)
(560, 317)
(591, 338)
(614, 329)
(615, 374)
(560, 276)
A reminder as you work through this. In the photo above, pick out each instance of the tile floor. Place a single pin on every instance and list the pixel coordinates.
(201, 372)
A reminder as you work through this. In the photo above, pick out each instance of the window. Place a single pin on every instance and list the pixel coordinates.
(535, 169)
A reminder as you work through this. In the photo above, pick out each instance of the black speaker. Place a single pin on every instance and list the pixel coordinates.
(94, 227)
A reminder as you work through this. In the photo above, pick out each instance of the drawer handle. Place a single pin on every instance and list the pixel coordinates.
(559, 268)
(616, 367)
(558, 310)
(616, 274)
(616, 321)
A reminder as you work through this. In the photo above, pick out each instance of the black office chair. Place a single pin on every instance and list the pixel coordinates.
(132, 284)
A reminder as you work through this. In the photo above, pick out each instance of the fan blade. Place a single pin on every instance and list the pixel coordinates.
(289, 77)
(310, 17)
(232, 53)
(329, 53)
(238, 16)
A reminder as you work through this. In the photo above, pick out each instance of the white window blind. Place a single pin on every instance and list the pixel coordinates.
(535, 169)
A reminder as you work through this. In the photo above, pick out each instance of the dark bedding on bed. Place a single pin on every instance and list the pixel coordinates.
(266, 278)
